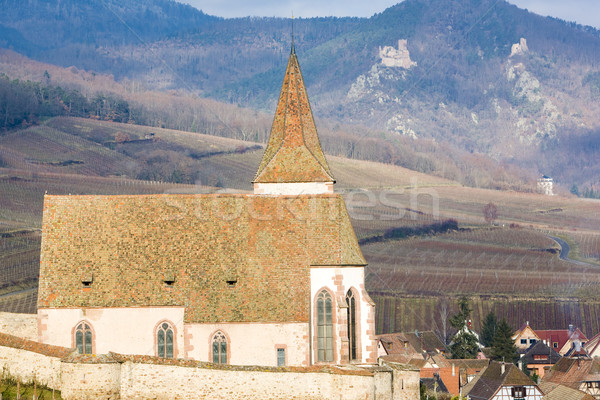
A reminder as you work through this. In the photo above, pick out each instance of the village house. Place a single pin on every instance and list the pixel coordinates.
(544, 185)
(500, 381)
(456, 373)
(560, 340)
(273, 278)
(582, 374)
(424, 350)
(539, 358)
(525, 336)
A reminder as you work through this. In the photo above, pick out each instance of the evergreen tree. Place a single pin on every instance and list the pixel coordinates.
(488, 329)
(459, 320)
(575, 190)
(503, 347)
(464, 345)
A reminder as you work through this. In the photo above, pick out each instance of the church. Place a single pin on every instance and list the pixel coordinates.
(272, 278)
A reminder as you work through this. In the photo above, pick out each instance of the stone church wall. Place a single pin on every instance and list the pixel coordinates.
(338, 281)
(135, 335)
(250, 341)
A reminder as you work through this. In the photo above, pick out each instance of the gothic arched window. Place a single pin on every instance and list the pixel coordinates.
(164, 340)
(219, 348)
(324, 326)
(351, 301)
(83, 338)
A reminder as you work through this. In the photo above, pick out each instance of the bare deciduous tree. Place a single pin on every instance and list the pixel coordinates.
(490, 212)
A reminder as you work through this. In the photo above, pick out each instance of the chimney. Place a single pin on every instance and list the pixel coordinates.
(571, 328)
(502, 369)
(527, 323)
(453, 370)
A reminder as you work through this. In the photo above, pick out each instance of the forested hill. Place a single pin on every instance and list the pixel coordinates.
(160, 42)
(480, 76)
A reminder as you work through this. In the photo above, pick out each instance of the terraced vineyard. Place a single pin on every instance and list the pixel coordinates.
(19, 269)
(20, 258)
(409, 313)
(472, 263)
(513, 272)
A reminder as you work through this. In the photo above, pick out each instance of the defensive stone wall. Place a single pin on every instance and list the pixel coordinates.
(116, 376)
(21, 325)
(30, 361)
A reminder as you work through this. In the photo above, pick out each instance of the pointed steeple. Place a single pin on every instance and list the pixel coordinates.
(293, 154)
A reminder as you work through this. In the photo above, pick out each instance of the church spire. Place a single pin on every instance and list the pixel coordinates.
(293, 161)
(293, 51)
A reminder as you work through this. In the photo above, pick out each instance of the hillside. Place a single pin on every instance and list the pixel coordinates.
(484, 78)
(511, 267)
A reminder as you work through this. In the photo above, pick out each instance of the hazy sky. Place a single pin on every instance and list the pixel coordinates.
(586, 12)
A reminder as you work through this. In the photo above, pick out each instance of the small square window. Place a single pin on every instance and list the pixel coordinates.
(555, 345)
(169, 279)
(231, 280)
(523, 341)
(519, 392)
(281, 357)
(86, 279)
(532, 341)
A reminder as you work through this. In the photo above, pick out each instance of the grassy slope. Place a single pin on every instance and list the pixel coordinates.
(508, 270)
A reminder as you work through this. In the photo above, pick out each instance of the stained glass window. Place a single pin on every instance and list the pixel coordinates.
(83, 338)
(164, 339)
(219, 348)
(351, 301)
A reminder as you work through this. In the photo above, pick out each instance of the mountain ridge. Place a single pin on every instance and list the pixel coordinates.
(467, 89)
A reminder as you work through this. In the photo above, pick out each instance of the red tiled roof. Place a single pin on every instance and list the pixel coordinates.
(293, 153)
(571, 372)
(129, 244)
(394, 343)
(445, 374)
(560, 336)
